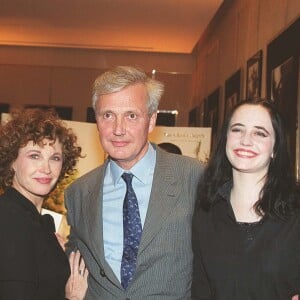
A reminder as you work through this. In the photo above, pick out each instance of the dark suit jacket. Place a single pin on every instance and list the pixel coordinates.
(33, 266)
(164, 263)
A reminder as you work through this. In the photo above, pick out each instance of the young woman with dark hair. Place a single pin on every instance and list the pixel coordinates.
(246, 226)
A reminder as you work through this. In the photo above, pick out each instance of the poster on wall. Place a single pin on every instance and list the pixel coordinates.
(194, 142)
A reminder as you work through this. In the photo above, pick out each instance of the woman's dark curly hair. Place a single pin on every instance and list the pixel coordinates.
(35, 125)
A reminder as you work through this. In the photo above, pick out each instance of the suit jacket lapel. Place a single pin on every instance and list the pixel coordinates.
(92, 214)
(164, 196)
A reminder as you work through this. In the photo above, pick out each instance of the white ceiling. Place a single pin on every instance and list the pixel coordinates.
(172, 26)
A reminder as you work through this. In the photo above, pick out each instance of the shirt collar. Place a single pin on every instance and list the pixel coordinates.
(225, 190)
(138, 170)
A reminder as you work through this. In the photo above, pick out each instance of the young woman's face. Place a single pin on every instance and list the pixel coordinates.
(250, 139)
(37, 169)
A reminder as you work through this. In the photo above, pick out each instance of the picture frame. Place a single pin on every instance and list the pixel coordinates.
(282, 84)
(232, 92)
(253, 76)
(283, 80)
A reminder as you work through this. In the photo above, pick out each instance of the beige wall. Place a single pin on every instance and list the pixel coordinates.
(56, 76)
(60, 76)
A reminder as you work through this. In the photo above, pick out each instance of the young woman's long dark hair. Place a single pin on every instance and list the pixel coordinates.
(279, 195)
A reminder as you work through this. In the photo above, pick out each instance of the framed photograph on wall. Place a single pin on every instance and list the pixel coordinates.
(282, 80)
(253, 79)
(232, 92)
(283, 54)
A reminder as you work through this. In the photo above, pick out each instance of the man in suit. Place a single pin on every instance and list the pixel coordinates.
(135, 237)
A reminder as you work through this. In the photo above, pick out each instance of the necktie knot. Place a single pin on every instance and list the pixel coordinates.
(127, 177)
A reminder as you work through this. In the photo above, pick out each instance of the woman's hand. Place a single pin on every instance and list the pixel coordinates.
(76, 286)
(61, 240)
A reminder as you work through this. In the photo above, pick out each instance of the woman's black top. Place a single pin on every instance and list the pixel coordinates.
(32, 263)
(241, 261)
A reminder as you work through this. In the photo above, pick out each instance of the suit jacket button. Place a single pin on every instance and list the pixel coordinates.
(102, 273)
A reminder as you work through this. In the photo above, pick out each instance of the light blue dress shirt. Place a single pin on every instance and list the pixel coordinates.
(114, 190)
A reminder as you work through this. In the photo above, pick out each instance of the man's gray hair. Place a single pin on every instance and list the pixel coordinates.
(123, 76)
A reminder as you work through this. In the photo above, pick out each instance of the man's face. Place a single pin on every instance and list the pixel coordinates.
(124, 123)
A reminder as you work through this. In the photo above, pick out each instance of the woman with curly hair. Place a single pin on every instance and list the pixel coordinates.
(246, 227)
(36, 152)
